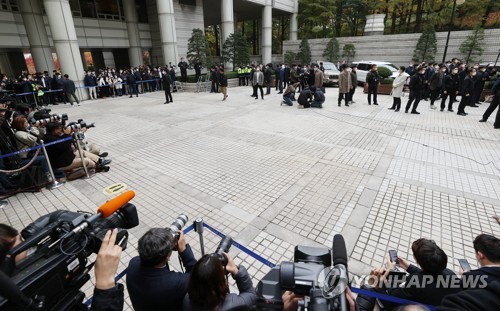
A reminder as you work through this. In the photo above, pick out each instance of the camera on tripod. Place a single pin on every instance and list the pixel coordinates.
(64, 240)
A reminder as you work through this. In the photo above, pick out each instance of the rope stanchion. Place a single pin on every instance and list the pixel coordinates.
(80, 151)
(34, 148)
(25, 166)
(55, 184)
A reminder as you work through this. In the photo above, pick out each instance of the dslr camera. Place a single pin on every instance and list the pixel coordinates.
(53, 275)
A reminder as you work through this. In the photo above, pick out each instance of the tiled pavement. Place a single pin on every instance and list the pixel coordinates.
(274, 177)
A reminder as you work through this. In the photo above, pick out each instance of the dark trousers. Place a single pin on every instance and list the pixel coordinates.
(268, 87)
(494, 104)
(133, 89)
(413, 97)
(276, 83)
(344, 96)
(452, 96)
(280, 86)
(372, 90)
(396, 103)
(71, 96)
(258, 86)
(215, 87)
(351, 93)
(434, 95)
(184, 75)
(464, 102)
(241, 81)
(168, 95)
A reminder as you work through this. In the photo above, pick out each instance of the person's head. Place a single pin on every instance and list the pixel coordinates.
(454, 71)
(402, 69)
(207, 283)
(20, 123)
(431, 258)
(9, 238)
(257, 69)
(421, 70)
(374, 67)
(66, 76)
(482, 68)
(487, 249)
(442, 67)
(354, 68)
(155, 247)
(54, 128)
(472, 72)
(345, 68)
(411, 308)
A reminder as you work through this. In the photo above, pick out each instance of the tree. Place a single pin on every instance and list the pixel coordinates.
(349, 52)
(473, 45)
(198, 47)
(290, 57)
(235, 50)
(304, 54)
(426, 46)
(332, 50)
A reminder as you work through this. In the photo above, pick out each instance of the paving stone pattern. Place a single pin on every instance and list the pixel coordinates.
(273, 176)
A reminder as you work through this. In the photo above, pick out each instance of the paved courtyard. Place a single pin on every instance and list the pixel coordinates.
(273, 176)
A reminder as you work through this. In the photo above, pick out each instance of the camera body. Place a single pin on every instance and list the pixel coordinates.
(59, 266)
(305, 276)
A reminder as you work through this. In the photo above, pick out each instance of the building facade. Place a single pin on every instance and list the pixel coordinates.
(77, 34)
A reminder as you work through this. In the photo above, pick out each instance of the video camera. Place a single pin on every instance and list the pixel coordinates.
(63, 240)
(311, 275)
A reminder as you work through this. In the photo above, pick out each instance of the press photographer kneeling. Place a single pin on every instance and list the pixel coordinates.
(65, 156)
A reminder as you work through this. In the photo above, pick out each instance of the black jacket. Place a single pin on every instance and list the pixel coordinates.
(372, 78)
(166, 81)
(223, 80)
(473, 299)
(267, 75)
(468, 86)
(242, 301)
(69, 86)
(89, 81)
(451, 83)
(109, 299)
(60, 154)
(416, 84)
(436, 80)
(305, 97)
(158, 288)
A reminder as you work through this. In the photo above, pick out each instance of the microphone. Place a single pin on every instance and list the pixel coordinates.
(115, 204)
(340, 265)
(103, 211)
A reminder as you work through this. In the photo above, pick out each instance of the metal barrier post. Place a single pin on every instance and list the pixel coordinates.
(198, 227)
(81, 155)
(55, 184)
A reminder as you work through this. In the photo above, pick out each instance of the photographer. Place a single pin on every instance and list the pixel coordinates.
(150, 282)
(208, 288)
(421, 284)
(27, 137)
(64, 156)
(10, 238)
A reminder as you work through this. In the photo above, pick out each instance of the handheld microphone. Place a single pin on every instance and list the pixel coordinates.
(340, 265)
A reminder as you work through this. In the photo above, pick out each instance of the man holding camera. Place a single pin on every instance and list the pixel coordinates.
(150, 282)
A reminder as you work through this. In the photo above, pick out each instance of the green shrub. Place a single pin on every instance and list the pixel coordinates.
(387, 80)
(384, 72)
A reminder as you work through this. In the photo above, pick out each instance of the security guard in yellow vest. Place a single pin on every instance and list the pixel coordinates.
(241, 76)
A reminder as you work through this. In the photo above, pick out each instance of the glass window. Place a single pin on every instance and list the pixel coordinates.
(88, 8)
(75, 7)
(142, 12)
(108, 7)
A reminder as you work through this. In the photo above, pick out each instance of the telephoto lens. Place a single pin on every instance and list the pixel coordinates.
(224, 247)
(178, 224)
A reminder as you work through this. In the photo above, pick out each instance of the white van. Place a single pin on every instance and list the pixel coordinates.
(365, 66)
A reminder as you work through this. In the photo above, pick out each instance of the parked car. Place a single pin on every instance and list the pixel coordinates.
(365, 66)
(331, 72)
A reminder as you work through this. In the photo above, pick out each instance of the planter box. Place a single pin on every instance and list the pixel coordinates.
(383, 89)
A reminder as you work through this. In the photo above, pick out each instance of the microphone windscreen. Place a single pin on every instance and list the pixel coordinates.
(339, 251)
(114, 204)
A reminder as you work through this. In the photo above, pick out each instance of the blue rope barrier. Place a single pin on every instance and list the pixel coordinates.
(389, 298)
(35, 147)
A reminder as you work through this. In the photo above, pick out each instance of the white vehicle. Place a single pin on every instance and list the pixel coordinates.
(365, 66)
(331, 72)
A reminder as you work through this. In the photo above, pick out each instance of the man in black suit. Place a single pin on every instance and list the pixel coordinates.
(150, 282)
(467, 92)
(70, 89)
(183, 66)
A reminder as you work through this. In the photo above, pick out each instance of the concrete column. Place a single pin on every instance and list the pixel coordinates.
(65, 41)
(227, 24)
(31, 12)
(135, 50)
(168, 33)
(293, 26)
(267, 34)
